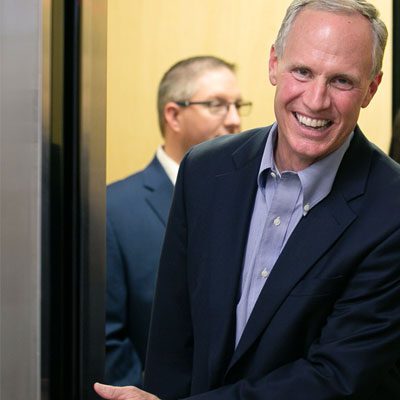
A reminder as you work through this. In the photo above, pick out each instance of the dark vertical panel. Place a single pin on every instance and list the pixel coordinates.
(74, 240)
(53, 265)
(396, 56)
(395, 145)
(60, 269)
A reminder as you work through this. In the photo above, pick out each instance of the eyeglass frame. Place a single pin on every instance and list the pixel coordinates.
(208, 103)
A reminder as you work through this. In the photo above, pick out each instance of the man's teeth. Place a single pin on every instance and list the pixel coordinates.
(313, 123)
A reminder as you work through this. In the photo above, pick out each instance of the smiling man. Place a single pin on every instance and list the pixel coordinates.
(280, 272)
(323, 77)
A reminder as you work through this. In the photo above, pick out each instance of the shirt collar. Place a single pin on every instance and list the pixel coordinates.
(170, 166)
(267, 161)
(316, 180)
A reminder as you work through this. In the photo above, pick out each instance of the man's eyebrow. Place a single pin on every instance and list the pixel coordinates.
(349, 77)
(299, 66)
(223, 97)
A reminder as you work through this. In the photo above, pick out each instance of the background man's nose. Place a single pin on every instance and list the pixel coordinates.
(232, 119)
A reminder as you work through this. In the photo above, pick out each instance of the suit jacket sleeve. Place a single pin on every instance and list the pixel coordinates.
(123, 366)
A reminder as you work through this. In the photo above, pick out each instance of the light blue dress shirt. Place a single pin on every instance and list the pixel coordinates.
(282, 199)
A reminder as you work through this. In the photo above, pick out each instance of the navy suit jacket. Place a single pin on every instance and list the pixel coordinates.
(327, 322)
(137, 211)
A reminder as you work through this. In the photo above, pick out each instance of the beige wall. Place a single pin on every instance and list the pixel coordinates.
(145, 37)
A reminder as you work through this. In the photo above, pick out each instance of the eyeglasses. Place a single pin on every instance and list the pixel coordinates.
(220, 107)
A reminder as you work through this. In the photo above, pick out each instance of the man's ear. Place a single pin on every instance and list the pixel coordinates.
(273, 65)
(171, 116)
(372, 88)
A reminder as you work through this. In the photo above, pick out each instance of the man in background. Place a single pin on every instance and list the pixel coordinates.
(198, 99)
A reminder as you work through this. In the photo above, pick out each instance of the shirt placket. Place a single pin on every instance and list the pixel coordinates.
(275, 231)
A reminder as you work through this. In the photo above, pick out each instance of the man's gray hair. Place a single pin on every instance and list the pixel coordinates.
(179, 83)
(362, 7)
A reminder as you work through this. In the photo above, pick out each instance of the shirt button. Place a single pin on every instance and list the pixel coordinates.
(273, 174)
(277, 221)
(264, 273)
(306, 208)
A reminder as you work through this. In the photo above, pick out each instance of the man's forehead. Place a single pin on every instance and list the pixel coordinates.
(336, 20)
(328, 35)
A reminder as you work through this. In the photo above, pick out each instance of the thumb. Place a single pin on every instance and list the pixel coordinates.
(105, 391)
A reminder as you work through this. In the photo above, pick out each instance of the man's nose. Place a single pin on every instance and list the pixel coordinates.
(316, 96)
(232, 119)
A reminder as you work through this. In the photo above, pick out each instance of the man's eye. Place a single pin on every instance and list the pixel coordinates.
(342, 83)
(216, 104)
(301, 73)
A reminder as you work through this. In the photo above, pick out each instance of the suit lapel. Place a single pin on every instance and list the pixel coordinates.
(234, 198)
(312, 237)
(159, 188)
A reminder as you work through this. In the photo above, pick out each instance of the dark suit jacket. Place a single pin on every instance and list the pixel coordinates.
(327, 322)
(137, 210)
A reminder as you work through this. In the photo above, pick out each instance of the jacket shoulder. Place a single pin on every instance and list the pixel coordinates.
(136, 185)
(385, 176)
(226, 143)
(125, 188)
(218, 155)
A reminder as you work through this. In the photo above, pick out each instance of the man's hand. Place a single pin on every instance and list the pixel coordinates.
(122, 392)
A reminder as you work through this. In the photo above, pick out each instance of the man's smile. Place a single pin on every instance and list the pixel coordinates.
(312, 122)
